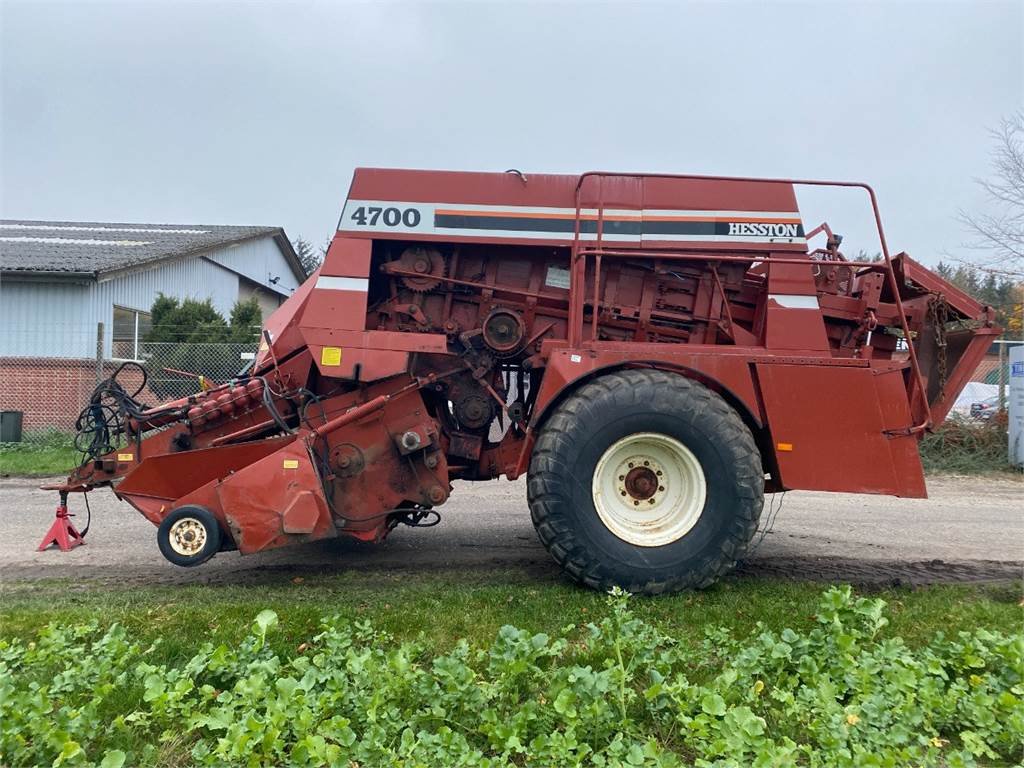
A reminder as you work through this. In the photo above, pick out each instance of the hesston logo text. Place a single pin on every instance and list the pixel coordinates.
(761, 229)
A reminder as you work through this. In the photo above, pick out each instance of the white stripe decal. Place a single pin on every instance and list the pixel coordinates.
(343, 283)
(794, 301)
(711, 239)
(351, 205)
(401, 218)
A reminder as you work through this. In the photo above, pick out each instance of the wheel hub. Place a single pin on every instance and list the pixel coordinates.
(641, 483)
(649, 489)
(187, 536)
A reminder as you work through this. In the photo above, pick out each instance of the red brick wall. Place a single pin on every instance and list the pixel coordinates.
(52, 392)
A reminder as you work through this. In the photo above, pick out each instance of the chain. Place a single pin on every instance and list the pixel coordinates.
(938, 314)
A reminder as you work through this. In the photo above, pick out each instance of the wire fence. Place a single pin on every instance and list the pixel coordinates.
(49, 373)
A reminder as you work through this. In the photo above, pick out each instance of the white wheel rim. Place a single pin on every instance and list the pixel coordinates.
(649, 489)
(187, 536)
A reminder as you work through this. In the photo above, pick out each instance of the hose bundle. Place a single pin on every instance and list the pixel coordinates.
(103, 424)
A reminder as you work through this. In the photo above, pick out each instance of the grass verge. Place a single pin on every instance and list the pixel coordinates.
(445, 607)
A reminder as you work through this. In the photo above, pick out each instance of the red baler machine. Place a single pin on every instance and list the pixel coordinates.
(654, 351)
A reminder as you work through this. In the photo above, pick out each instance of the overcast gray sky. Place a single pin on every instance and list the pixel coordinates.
(256, 113)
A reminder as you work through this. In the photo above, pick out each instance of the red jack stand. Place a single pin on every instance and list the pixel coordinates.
(62, 533)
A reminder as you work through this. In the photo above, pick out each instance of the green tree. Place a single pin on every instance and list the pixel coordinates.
(186, 320)
(246, 321)
(998, 291)
(309, 257)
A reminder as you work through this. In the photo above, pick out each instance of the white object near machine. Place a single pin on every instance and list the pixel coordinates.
(1015, 404)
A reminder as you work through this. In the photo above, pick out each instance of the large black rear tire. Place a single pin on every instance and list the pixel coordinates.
(678, 491)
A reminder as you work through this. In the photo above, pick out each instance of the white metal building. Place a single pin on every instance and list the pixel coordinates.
(59, 279)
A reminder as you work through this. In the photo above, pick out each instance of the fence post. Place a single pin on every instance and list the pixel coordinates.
(1002, 376)
(99, 352)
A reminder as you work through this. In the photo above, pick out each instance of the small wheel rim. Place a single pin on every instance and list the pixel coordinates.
(187, 536)
(649, 489)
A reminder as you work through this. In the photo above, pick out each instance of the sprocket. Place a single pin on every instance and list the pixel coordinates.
(428, 264)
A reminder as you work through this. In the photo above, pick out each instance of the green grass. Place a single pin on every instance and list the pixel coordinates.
(450, 605)
(39, 455)
(41, 461)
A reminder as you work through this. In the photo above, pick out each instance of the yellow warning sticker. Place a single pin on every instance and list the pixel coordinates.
(784, 446)
(126, 457)
(291, 463)
(330, 356)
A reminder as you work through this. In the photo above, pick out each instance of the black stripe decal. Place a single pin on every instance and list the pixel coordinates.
(525, 224)
(611, 227)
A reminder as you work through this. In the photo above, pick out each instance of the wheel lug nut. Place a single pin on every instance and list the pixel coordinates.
(658, 473)
(661, 487)
(647, 463)
(623, 493)
(631, 465)
(650, 500)
(636, 503)
(622, 477)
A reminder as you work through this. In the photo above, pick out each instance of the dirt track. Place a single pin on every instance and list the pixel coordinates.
(970, 530)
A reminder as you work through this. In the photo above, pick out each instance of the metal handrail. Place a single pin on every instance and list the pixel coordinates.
(577, 272)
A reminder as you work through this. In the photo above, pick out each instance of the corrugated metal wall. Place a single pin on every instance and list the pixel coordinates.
(41, 319)
(259, 260)
(195, 278)
(57, 319)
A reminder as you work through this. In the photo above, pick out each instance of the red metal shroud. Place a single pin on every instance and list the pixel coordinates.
(454, 311)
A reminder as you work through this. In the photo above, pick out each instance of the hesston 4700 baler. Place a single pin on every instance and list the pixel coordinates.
(654, 351)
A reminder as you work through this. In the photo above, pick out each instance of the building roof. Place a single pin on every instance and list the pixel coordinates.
(66, 248)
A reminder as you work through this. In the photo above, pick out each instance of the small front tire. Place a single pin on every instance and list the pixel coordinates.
(189, 536)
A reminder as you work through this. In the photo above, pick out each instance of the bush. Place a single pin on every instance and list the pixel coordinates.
(965, 445)
(618, 692)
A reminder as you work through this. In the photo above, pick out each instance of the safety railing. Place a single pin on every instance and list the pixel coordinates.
(581, 252)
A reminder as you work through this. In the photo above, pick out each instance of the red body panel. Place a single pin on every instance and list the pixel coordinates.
(276, 500)
(854, 454)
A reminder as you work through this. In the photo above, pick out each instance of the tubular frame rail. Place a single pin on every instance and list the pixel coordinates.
(580, 253)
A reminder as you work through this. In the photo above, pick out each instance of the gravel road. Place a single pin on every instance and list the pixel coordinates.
(970, 530)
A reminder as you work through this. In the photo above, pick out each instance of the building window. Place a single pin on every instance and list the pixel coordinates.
(130, 328)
